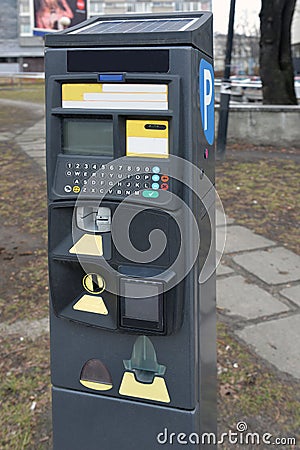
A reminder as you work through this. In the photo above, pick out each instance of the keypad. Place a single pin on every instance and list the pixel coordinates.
(113, 179)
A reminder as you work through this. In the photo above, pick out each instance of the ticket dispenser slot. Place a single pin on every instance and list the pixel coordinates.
(93, 219)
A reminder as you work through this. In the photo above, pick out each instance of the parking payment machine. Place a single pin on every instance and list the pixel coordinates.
(130, 164)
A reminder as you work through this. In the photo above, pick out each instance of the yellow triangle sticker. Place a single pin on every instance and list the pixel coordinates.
(92, 304)
(157, 390)
(88, 244)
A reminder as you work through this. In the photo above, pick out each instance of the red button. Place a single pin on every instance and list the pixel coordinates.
(164, 178)
(164, 186)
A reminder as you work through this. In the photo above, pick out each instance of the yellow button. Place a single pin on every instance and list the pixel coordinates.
(76, 189)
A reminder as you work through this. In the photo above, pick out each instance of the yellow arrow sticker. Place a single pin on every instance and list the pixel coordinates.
(156, 391)
(88, 244)
(91, 304)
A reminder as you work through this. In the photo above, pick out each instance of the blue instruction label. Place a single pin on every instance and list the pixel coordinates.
(206, 90)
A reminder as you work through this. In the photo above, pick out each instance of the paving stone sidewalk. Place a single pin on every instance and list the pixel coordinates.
(258, 282)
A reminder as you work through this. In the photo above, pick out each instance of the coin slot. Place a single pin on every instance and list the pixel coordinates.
(93, 283)
(95, 375)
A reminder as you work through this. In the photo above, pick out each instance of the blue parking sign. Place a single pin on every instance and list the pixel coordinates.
(206, 91)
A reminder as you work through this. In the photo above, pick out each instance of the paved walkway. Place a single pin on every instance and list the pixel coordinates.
(258, 284)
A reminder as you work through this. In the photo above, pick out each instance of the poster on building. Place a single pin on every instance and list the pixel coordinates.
(55, 15)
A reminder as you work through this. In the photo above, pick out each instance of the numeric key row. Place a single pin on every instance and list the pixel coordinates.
(111, 167)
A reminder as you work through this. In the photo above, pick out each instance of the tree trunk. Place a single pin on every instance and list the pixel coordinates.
(276, 67)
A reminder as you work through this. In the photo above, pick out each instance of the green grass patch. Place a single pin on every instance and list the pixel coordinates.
(24, 393)
(23, 191)
(264, 196)
(248, 390)
(23, 250)
(26, 92)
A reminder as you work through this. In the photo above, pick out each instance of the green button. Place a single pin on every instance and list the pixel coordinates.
(150, 194)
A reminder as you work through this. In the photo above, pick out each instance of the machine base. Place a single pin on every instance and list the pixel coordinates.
(84, 421)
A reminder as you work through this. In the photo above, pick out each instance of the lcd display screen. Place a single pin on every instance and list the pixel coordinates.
(141, 300)
(88, 137)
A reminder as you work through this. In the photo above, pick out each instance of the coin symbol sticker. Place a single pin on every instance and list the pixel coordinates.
(93, 283)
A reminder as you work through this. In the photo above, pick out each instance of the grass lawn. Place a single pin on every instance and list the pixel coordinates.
(33, 92)
(263, 195)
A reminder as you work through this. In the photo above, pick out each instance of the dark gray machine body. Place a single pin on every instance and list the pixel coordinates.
(128, 374)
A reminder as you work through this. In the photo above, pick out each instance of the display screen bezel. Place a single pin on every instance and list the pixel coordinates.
(135, 322)
(88, 150)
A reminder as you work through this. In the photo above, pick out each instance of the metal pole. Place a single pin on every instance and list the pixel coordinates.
(225, 89)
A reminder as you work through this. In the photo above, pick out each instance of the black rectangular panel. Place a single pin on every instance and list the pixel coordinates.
(150, 61)
(141, 305)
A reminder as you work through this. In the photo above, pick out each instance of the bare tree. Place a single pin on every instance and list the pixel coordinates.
(276, 67)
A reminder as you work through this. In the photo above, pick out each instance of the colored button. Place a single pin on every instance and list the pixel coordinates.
(111, 77)
(76, 189)
(155, 186)
(164, 186)
(155, 177)
(150, 194)
(165, 178)
(155, 169)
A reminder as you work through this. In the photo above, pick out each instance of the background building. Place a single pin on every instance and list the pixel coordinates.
(22, 51)
(245, 54)
(19, 49)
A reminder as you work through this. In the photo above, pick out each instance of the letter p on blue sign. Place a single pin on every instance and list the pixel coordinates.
(206, 90)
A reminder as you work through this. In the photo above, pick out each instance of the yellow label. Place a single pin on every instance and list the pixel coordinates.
(75, 92)
(146, 128)
(156, 391)
(91, 304)
(88, 244)
(147, 138)
(115, 96)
